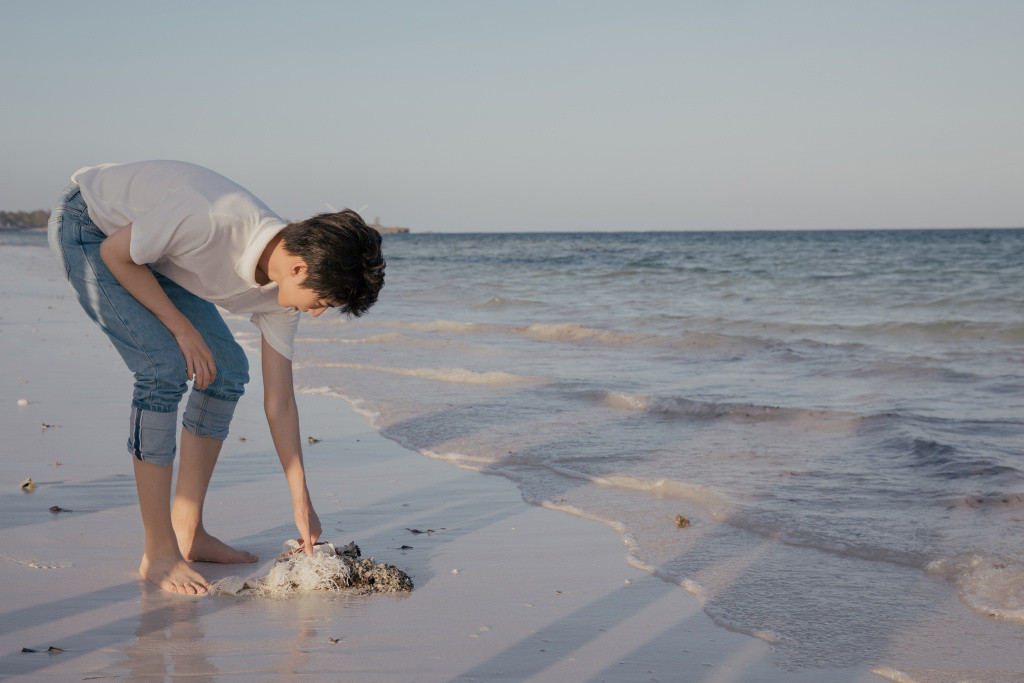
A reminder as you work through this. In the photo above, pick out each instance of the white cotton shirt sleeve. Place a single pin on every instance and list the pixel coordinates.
(278, 328)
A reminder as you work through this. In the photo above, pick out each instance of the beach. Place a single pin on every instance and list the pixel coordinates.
(503, 590)
(700, 355)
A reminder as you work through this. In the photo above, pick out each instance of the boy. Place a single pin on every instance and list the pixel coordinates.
(151, 248)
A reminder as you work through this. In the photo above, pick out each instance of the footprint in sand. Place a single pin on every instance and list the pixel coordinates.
(37, 564)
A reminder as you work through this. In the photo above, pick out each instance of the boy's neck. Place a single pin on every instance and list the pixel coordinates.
(269, 263)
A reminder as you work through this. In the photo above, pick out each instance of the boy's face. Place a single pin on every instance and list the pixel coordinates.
(291, 294)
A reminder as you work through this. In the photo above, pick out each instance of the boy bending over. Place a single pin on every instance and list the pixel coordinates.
(151, 249)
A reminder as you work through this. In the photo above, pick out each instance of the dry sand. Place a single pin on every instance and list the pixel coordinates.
(506, 591)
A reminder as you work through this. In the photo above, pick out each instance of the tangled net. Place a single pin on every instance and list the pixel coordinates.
(327, 569)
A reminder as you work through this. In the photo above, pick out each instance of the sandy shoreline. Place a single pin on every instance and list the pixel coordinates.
(506, 591)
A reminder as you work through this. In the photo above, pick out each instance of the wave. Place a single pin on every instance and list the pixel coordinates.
(502, 302)
(911, 369)
(358, 404)
(449, 326)
(709, 505)
(453, 375)
(738, 339)
(946, 461)
(576, 333)
(398, 339)
(387, 338)
(714, 503)
(1009, 501)
(711, 410)
(989, 584)
(950, 330)
(935, 330)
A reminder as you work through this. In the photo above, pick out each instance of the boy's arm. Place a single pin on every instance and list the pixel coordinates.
(283, 418)
(139, 282)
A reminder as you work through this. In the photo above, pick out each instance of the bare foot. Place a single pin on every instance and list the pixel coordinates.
(173, 574)
(202, 547)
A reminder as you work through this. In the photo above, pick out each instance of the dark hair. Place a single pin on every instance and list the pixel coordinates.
(343, 257)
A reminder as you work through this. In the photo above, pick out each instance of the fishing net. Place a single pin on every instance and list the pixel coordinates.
(327, 569)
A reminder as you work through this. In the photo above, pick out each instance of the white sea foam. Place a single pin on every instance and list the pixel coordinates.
(358, 404)
(400, 340)
(329, 392)
(707, 498)
(446, 326)
(746, 412)
(576, 333)
(502, 302)
(477, 463)
(389, 338)
(991, 585)
(573, 510)
(570, 332)
(894, 675)
(704, 596)
(454, 375)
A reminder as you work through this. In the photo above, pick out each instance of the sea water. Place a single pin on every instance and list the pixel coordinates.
(838, 415)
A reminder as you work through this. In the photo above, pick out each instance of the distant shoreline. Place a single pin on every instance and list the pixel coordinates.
(24, 228)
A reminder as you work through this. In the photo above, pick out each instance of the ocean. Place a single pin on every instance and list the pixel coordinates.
(839, 416)
(820, 434)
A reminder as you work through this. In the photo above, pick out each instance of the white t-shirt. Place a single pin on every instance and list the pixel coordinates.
(199, 229)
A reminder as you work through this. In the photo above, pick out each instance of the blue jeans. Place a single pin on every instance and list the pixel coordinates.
(145, 344)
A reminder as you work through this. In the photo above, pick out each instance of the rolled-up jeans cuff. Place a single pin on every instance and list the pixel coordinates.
(152, 435)
(207, 415)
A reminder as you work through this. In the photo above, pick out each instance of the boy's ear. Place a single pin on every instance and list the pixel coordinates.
(298, 267)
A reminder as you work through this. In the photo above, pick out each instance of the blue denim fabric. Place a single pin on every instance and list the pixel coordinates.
(145, 344)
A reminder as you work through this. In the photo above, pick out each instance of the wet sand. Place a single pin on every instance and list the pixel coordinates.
(504, 590)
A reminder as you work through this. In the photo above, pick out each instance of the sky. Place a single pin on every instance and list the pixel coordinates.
(477, 116)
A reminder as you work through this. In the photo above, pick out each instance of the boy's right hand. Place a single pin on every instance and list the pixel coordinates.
(308, 524)
(199, 364)
(141, 284)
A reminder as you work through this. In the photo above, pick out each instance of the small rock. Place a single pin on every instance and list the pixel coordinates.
(312, 439)
(682, 522)
(57, 509)
(22, 402)
(28, 485)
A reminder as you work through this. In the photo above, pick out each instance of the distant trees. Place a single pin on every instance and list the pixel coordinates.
(24, 219)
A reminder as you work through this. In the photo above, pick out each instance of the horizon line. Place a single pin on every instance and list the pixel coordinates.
(508, 231)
